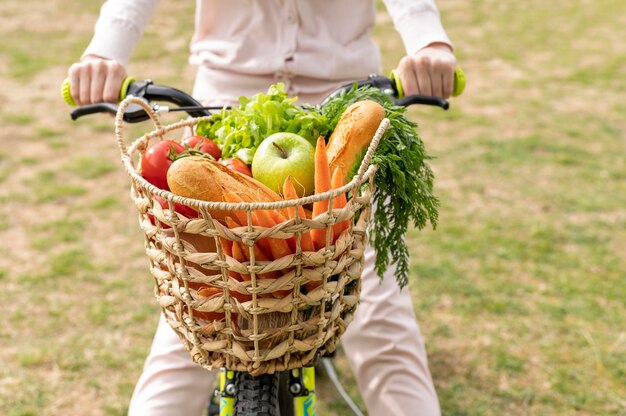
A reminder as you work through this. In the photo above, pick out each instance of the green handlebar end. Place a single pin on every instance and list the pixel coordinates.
(67, 95)
(457, 88)
(459, 82)
(125, 86)
(393, 76)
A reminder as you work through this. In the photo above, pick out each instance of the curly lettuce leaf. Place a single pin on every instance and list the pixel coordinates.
(240, 131)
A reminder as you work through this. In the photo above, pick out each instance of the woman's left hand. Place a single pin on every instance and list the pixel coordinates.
(430, 71)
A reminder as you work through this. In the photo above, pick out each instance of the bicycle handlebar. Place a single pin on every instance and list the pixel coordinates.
(149, 91)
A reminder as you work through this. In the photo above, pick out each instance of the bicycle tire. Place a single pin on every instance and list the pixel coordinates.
(258, 396)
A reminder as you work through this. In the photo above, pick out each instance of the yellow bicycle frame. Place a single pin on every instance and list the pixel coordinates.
(305, 405)
(227, 403)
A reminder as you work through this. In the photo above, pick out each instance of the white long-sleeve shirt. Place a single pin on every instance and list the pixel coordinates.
(242, 46)
(325, 40)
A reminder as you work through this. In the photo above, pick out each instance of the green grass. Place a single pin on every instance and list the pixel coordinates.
(105, 203)
(57, 232)
(18, 118)
(519, 291)
(46, 186)
(90, 167)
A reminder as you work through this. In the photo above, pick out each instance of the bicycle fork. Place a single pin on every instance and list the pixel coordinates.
(227, 392)
(302, 387)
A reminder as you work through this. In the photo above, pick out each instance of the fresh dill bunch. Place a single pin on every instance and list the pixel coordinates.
(403, 183)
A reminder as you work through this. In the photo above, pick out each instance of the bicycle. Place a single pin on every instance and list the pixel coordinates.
(269, 390)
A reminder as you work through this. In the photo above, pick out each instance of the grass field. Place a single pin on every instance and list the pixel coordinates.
(520, 292)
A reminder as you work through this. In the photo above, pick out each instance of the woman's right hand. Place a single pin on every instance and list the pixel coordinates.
(95, 80)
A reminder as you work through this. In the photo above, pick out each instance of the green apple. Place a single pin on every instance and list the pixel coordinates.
(281, 155)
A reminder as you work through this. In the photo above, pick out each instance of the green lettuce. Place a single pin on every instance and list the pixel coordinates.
(240, 130)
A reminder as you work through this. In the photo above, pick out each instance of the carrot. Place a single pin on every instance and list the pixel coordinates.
(227, 249)
(208, 292)
(240, 250)
(322, 184)
(227, 246)
(276, 216)
(289, 192)
(340, 200)
(243, 219)
(279, 218)
(239, 214)
(259, 255)
(278, 247)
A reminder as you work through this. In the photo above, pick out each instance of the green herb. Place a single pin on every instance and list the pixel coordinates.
(242, 129)
(404, 181)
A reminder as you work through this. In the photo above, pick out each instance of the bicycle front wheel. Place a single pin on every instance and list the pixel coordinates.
(265, 395)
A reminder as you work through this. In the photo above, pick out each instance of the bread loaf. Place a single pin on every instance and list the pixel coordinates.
(353, 133)
(207, 180)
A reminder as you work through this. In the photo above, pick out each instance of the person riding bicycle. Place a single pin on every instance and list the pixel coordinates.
(241, 47)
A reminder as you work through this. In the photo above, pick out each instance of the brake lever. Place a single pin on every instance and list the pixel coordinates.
(86, 110)
(134, 113)
(422, 99)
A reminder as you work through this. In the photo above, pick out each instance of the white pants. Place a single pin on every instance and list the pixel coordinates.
(383, 343)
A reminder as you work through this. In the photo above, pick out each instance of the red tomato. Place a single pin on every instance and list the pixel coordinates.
(204, 145)
(237, 165)
(157, 160)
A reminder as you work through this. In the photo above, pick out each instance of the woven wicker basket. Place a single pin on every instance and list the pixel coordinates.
(256, 324)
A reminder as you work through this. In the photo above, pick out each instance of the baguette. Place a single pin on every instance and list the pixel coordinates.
(353, 133)
(207, 180)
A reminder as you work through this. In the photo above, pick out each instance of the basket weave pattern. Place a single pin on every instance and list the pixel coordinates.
(227, 312)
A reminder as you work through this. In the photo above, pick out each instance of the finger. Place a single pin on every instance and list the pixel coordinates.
(436, 82)
(111, 91)
(407, 77)
(85, 85)
(73, 75)
(98, 78)
(424, 82)
(447, 82)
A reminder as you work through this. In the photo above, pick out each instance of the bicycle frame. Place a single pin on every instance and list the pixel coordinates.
(227, 393)
(305, 404)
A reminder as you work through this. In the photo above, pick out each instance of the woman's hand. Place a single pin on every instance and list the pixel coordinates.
(430, 71)
(95, 80)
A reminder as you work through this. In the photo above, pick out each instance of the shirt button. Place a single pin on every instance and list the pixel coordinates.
(291, 17)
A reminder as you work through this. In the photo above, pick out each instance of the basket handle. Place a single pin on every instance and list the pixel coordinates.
(382, 128)
(119, 121)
